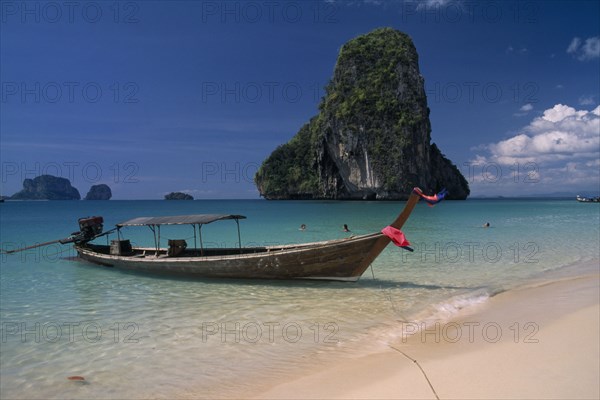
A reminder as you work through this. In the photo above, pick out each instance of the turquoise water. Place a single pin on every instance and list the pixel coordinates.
(138, 336)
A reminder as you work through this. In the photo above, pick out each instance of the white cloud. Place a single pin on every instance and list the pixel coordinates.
(527, 107)
(561, 148)
(574, 46)
(593, 163)
(585, 50)
(524, 110)
(521, 51)
(587, 100)
(591, 48)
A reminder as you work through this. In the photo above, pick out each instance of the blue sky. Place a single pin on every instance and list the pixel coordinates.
(158, 96)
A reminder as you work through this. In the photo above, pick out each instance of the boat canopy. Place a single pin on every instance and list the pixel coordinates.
(197, 219)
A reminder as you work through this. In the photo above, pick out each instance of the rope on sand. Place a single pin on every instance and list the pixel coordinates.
(421, 368)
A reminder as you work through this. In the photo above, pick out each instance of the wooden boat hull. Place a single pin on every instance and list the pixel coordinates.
(343, 259)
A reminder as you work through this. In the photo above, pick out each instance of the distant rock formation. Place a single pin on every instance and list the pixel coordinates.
(47, 187)
(371, 138)
(99, 192)
(178, 196)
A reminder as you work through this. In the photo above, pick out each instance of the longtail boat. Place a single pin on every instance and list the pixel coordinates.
(340, 259)
(588, 199)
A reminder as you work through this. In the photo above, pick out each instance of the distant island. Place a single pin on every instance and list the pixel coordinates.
(371, 138)
(178, 196)
(99, 192)
(47, 187)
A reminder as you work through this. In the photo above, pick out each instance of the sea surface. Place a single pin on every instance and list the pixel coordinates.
(140, 336)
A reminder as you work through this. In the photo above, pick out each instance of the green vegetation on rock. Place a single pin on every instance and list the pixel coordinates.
(371, 138)
(294, 162)
(178, 196)
(47, 187)
(99, 192)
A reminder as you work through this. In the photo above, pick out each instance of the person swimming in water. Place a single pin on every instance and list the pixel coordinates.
(302, 227)
(486, 225)
(346, 228)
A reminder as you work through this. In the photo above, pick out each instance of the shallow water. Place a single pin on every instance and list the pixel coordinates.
(139, 336)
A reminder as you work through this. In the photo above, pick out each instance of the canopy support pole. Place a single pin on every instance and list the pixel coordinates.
(201, 244)
(152, 228)
(194, 229)
(237, 221)
(158, 244)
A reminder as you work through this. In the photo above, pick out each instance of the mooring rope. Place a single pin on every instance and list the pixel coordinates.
(421, 368)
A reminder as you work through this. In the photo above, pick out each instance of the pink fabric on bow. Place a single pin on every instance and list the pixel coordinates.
(396, 236)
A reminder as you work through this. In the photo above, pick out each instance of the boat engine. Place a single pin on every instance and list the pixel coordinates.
(90, 227)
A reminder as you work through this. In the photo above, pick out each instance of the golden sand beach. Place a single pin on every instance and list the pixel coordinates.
(540, 341)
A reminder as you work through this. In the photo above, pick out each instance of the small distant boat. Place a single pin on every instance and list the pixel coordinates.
(588, 199)
(340, 259)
